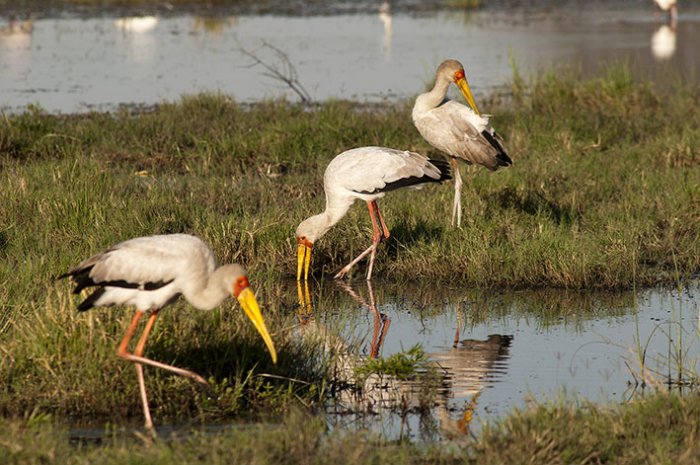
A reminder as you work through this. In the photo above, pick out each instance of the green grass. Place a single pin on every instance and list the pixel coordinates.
(55, 360)
(402, 365)
(604, 194)
(661, 429)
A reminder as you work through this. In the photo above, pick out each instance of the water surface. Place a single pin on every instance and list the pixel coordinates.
(70, 64)
(499, 351)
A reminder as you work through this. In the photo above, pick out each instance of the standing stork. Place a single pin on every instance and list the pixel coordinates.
(365, 173)
(151, 273)
(461, 132)
(670, 7)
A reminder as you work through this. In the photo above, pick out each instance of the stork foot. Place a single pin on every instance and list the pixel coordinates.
(180, 371)
(341, 274)
(347, 267)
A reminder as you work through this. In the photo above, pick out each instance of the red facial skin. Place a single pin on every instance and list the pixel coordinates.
(240, 284)
(303, 240)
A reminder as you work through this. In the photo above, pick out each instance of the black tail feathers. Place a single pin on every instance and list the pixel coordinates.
(502, 158)
(444, 167)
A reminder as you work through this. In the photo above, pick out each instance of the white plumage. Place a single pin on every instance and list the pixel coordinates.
(152, 272)
(670, 7)
(457, 130)
(665, 4)
(167, 265)
(365, 173)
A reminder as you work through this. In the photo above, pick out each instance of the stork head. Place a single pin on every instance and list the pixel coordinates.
(453, 71)
(240, 288)
(307, 232)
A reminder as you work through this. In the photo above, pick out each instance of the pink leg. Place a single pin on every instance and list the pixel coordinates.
(385, 230)
(376, 239)
(377, 235)
(140, 347)
(138, 359)
(457, 204)
(124, 353)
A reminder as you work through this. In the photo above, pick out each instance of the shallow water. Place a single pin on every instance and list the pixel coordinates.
(488, 352)
(503, 350)
(72, 64)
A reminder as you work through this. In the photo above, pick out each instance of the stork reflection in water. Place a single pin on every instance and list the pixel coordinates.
(457, 373)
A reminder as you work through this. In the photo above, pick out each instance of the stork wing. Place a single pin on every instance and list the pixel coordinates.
(378, 169)
(457, 131)
(144, 263)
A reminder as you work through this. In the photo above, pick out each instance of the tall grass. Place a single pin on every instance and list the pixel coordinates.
(56, 360)
(604, 193)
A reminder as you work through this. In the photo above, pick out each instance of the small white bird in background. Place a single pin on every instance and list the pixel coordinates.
(385, 18)
(670, 7)
(459, 131)
(137, 24)
(151, 273)
(365, 173)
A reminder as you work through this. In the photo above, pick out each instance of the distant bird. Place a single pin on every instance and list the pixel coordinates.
(670, 7)
(151, 273)
(457, 130)
(365, 173)
(385, 18)
(137, 24)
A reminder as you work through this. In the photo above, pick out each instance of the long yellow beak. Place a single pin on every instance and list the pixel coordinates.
(466, 91)
(250, 306)
(305, 311)
(303, 261)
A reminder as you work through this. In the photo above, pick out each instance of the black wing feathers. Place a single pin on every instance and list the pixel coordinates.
(502, 157)
(441, 165)
(82, 279)
(88, 303)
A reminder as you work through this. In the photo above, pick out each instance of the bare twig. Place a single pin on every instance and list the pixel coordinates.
(283, 70)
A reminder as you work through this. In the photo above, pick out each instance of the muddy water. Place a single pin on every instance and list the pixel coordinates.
(72, 65)
(493, 352)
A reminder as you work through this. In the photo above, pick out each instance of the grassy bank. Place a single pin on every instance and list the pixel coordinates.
(604, 193)
(54, 360)
(659, 430)
(604, 190)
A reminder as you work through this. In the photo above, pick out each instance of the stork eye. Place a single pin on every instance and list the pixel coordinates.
(240, 284)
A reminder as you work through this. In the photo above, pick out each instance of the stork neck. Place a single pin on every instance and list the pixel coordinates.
(316, 226)
(335, 209)
(207, 297)
(323, 222)
(435, 96)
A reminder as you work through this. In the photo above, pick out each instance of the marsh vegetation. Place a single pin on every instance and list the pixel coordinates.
(604, 193)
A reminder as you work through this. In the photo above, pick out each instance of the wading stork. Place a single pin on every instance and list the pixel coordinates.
(457, 130)
(151, 273)
(670, 7)
(365, 173)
